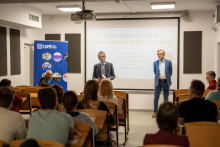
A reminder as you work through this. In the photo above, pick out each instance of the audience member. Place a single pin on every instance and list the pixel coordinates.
(215, 94)
(197, 109)
(59, 91)
(210, 77)
(45, 81)
(70, 101)
(167, 121)
(50, 124)
(17, 99)
(12, 124)
(106, 92)
(90, 99)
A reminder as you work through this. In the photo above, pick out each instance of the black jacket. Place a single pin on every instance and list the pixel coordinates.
(44, 82)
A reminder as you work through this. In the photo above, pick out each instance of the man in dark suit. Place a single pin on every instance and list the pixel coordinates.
(103, 70)
(45, 81)
(163, 72)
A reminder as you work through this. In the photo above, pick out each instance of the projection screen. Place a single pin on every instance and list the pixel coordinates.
(131, 46)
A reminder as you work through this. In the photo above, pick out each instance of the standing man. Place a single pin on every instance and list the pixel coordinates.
(163, 73)
(103, 70)
(45, 81)
(210, 77)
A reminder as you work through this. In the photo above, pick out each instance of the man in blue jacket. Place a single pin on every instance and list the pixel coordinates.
(163, 73)
(103, 70)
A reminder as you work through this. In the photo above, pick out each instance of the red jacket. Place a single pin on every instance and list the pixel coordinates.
(166, 137)
(212, 85)
(16, 103)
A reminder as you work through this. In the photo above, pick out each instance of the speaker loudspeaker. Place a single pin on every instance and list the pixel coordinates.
(185, 15)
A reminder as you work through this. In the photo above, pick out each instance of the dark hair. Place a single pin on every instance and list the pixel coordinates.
(90, 93)
(70, 100)
(167, 116)
(6, 96)
(211, 73)
(197, 87)
(5, 82)
(218, 84)
(47, 98)
(59, 91)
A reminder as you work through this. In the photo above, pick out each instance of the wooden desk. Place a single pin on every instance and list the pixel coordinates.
(99, 122)
(34, 95)
(80, 141)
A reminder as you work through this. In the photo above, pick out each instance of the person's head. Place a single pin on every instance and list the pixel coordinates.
(197, 89)
(49, 74)
(210, 76)
(48, 98)
(70, 100)
(101, 56)
(106, 88)
(6, 97)
(59, 91)
(90, 92)
(161, 54)
(167, 116)
(6, 82)
(218, 84)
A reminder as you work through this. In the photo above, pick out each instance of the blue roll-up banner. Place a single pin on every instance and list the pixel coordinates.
(51, 55)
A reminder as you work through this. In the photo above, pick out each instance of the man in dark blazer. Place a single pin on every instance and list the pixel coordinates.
(45, 81)
(163, 72)
(103, 70)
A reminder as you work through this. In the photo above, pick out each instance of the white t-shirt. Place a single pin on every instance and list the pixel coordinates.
(12, 126)
(113, 100)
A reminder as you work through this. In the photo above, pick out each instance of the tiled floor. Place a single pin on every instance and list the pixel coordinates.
(140, 124)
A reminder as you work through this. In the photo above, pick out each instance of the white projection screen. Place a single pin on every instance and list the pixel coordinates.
(131, 45)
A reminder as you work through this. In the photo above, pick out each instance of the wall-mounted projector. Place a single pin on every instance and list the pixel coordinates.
(83, 15)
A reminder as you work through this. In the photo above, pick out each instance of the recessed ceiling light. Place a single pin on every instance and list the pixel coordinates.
(162, 5)
(69, 8)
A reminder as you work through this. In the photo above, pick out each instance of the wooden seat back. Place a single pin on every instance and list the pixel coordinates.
(178, 92)
(80, 97)
(42, 143)
(17, 89)
(3, 143)
(206, 92)
(181, 98)
(41, 87)
(217, 102)
(159, 145)
(31, 90)
(203, 134)
(22, 87)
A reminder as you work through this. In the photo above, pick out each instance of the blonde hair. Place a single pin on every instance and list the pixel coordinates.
(106, 88)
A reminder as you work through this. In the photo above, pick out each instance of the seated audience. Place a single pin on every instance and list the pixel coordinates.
(70, 101)
(17, 99)
(106, 92)
(59, 91)
(197, 109)
(210, 77)
(50, 124)
(167, 121)
(45, 81)
(90, 99)
(12, 124)
(215, 94)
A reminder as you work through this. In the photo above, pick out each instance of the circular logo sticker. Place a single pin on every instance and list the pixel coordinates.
(57, 56)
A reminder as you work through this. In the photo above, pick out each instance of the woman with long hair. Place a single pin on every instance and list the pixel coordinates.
(106, 92)
(215, 94)
(17, 100)
(90, 99)
(59, 91)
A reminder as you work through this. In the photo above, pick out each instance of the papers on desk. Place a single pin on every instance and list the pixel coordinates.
(93, 118)
(72, 141)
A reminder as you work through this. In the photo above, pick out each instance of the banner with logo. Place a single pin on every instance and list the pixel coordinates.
(51, 55)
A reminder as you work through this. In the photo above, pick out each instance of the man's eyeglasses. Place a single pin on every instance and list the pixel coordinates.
(101, 57)
(159, 54)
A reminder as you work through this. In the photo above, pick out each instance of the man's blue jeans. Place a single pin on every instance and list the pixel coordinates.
(157, 90)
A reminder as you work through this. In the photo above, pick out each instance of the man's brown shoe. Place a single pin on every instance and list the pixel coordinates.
(154, 115)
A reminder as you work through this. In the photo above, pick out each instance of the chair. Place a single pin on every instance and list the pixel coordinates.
(203, 134)
(125, 95)
(159, 145)
(113, 108)
(3, 143)
(80, 97)
(22, 87)
(122, 112)
(17, 89)
(42, 143)
(102, 123)
(87, 135)
(206, 92)
(181, 98)
(217, 102)
(31, 90)
(40, 87)
(25, 107)
(178, 92)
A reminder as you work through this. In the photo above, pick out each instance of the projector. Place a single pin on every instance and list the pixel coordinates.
(83, 15)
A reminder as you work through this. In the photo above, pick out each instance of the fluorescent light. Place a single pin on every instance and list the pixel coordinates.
(69, 8)
(162, 5)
